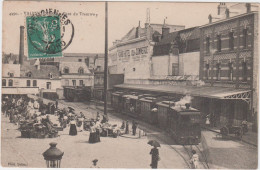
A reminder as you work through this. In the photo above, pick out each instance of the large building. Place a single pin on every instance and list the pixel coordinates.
(229, 58)
(132, 55)
(224, 53)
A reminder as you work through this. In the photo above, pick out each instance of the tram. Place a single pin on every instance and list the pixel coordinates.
(184, 124)
(76, 94)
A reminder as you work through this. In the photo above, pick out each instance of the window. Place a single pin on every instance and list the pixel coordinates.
(218, 71)
(81, 82)
(34, 83)
(230, 73)
(231, 41)
(29, 74)
(207, 71)
(133, 69)
(4, 82)
(80, 60)
(245, 38)
(66, 70)
(50, 75)
(87, 61)
(10, 83)
(48, 85)
(175, 69)
(74, 82)
(244, 67)
(11, 74)
(81, 71)
(208, 45)
(219, 43)
(28, 83)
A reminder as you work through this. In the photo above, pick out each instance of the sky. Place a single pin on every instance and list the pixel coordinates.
(89, 30)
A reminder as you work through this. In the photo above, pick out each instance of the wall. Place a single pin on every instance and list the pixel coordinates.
(10, 68)
(162, 65)
(88, 80)
(189, 63)
(129, 62)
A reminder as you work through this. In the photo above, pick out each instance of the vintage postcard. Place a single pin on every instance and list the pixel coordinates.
(130, 85)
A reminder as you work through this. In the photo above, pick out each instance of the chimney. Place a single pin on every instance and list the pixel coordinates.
(137, 33)
(248, 7)
(227, 13)
(165, 29)
(210, 18)
(221, 8)
(21, 48)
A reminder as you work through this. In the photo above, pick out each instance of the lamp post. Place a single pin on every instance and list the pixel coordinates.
(53, 156)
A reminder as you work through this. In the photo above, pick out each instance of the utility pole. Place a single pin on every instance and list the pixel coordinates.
(105, 63)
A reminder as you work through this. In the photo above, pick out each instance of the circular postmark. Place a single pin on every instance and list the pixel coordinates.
(49, 33)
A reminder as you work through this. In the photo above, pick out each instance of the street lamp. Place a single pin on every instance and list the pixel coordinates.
(53, 156)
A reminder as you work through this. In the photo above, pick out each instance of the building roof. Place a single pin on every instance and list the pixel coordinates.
(168, 38)
(74, 67)
(202, 91)
(83, 54)
(42, 73)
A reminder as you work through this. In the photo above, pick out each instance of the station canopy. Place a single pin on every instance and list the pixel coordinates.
(202, 91)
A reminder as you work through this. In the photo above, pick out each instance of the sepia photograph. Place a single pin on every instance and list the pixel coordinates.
(130, 85)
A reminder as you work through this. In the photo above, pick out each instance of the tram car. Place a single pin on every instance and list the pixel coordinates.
(132, 104)
(184, 124)
(117, 100)
(78, 93)
(164, 109)
(149, 109)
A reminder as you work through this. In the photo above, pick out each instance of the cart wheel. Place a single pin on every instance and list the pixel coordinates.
(224, 132)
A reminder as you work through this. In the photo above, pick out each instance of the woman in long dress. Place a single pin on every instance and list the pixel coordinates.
(98, 129)
(73, 129)
(92, 136)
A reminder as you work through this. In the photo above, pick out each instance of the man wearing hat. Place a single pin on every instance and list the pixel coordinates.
(94, 164)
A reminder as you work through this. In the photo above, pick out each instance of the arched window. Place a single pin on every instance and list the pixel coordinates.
(81, 70)
(10, 83)
(66, 70)
(4, 82)
(50, 75)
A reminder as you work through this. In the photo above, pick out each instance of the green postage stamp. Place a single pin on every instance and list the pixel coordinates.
(44, 36)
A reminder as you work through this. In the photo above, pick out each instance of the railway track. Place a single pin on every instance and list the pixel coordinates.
(202, 157)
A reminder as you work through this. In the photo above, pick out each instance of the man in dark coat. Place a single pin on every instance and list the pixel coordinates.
(126, 127)
(134, 127)
(155, 157)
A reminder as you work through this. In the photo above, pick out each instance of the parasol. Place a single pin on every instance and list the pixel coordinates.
(71, 108)
(154, 143)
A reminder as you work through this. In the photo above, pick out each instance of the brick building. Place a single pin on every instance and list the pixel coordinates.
(229, 58)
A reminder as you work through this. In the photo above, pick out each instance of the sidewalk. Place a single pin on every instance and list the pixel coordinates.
(229, 154)
(249, 138)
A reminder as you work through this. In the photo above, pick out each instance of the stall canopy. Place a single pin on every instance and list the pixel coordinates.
(203, 91)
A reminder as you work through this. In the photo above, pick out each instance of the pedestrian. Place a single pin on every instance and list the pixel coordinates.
(207, 120)
(123, 125)
(134, 127)
(95, 164)
(127, 127)
(155, 157)
(57, 103)
(98, 116)
(73, 129)
(194, 159)
(92, 136)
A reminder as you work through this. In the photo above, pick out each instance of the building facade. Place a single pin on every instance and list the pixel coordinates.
(229, 58)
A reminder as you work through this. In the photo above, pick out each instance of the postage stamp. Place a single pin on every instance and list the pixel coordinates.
(48, 34)
(43, 36)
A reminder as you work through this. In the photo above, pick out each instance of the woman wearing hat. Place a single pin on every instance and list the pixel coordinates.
(92, 136)
(73, 129)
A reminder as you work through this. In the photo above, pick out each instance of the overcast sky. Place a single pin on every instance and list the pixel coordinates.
(89, 30)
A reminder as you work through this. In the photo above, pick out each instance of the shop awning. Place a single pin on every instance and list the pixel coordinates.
(204, 91)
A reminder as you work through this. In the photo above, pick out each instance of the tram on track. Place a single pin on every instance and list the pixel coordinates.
(76, 94)
(184, 125)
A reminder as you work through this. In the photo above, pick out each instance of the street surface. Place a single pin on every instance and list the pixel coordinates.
(121, 152)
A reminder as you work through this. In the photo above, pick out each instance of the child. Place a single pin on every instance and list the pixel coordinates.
(194, 159)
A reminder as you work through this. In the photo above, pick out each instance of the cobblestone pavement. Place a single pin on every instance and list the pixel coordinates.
(121, 152)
